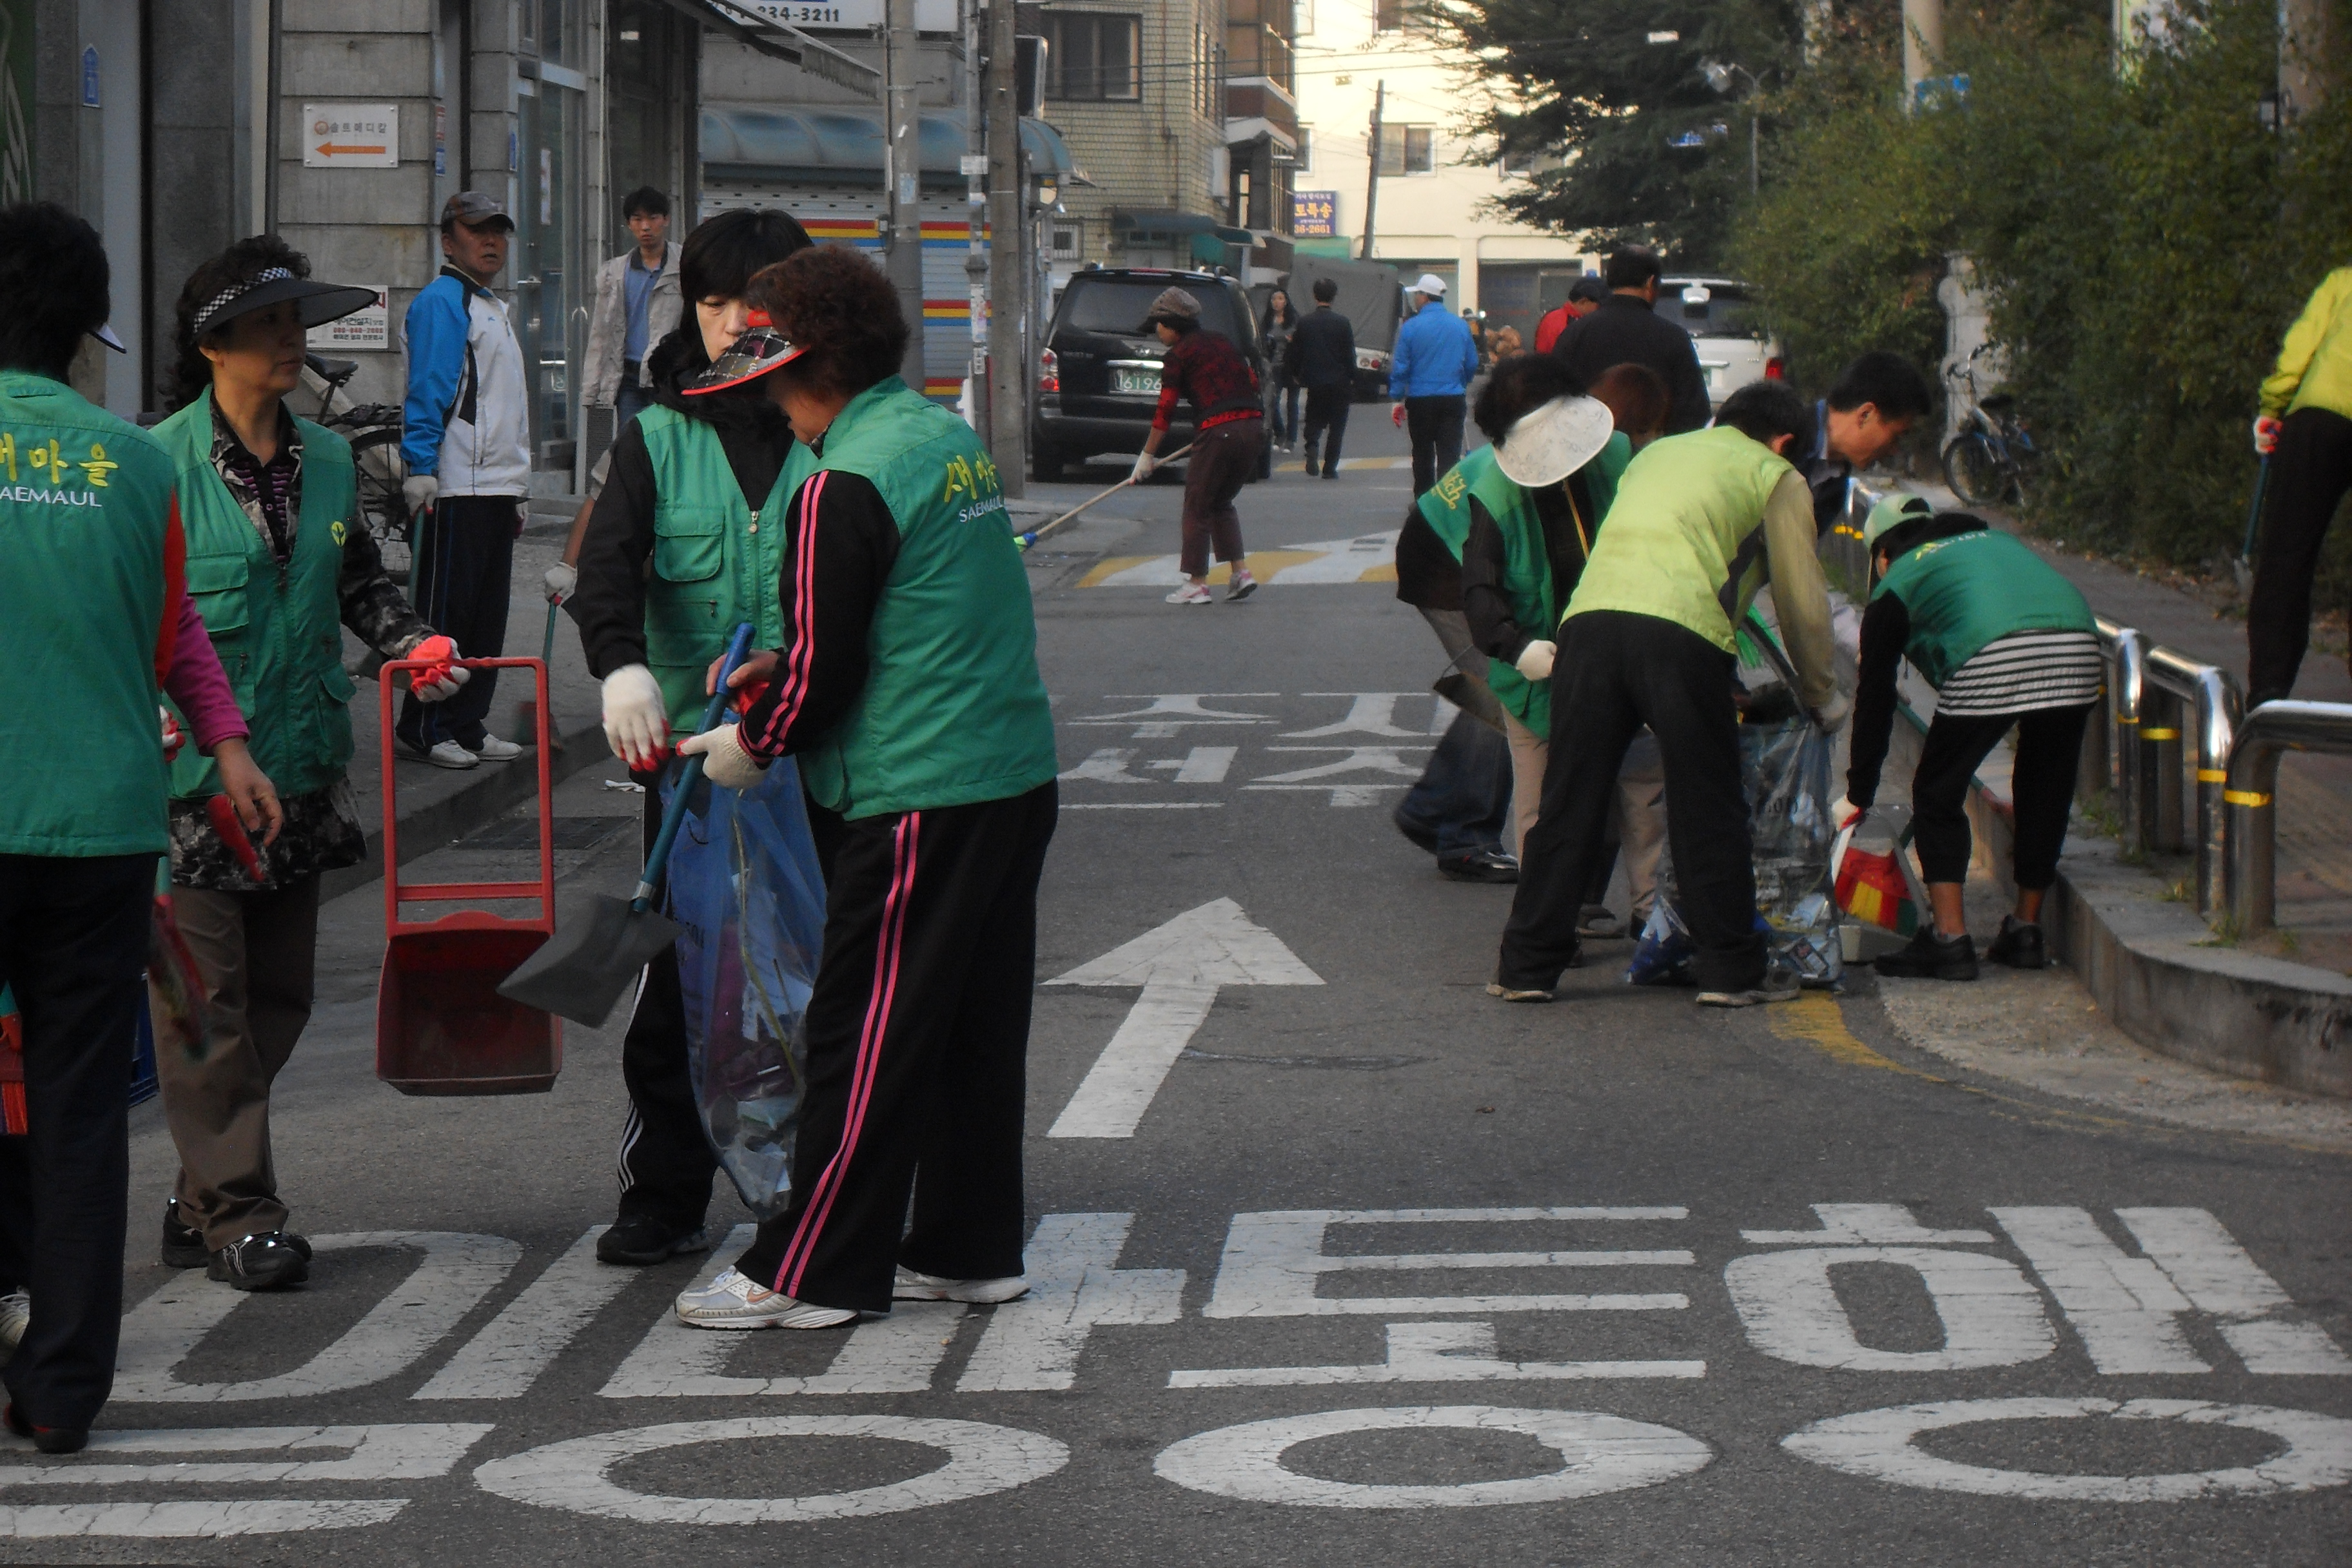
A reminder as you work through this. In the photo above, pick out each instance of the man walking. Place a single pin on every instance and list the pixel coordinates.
(466, 441)
(1429, 377)
(2304, 430)
(1322, 359)
(638, 303)
(1624, 329)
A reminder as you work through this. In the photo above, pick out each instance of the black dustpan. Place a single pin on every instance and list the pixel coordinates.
(581, 971)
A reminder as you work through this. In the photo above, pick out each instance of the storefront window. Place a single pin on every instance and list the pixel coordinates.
(551, 304)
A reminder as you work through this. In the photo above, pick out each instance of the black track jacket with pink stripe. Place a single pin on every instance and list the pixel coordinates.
(840, 544)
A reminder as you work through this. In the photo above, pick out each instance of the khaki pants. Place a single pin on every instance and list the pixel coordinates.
(1638, 814)
(257, 952)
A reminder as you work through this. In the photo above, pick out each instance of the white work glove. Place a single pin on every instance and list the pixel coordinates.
(1831, 715)
(637, 719)
(419, 491)
(561, 581)
(2266, 435)
(441, 682)
(724, 762)
(1843, 813)
(1535, 659)
(1144, 463)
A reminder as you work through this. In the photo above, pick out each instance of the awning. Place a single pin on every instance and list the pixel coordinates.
(1049, 155)
(838, 145)
(1176, 223)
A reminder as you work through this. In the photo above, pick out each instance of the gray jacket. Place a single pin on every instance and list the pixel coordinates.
(608, 325)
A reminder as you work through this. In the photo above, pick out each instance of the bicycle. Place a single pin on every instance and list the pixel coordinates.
(374, 430)
(1986, 461)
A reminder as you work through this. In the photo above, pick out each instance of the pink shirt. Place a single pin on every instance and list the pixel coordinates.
(198, 684)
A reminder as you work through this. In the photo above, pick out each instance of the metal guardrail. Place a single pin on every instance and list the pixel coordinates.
(2250, 793)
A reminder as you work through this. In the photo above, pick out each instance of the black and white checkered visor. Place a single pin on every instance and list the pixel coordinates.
(754, 354)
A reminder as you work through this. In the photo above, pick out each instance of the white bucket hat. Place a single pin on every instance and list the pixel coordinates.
(1546, 446)
(1431, 285)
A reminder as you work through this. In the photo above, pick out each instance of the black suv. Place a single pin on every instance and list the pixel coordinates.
(1099, 377)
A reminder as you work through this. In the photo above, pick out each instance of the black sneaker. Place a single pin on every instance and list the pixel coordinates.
(1931, 956)
(2018, 945)
(47, 1439)
(1310, 467)
(269, 1261)
(1481, 866)
(184, 1244)
(640, 1240)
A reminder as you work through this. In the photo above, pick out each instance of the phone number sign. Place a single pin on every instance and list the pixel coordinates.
(1315, 214)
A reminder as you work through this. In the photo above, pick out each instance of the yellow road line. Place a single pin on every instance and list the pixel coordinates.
(1814, 1019)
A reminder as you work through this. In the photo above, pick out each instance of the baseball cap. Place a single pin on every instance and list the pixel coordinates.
(758, 351)
(473, 209)
(1892, 512)
(1431, 285)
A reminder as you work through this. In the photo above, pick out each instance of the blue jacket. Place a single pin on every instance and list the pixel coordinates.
(1434, 356)
(467, 417)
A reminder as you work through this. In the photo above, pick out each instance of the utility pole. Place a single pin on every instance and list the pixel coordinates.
(902, 165)
(2306, 67)
(1008, 376)
(1372, 184)
(1923, 47)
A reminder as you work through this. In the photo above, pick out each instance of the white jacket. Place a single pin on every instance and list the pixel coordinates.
(467, 417)
(608, 325)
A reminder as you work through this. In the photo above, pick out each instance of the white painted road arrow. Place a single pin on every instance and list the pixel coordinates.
(1179, 966)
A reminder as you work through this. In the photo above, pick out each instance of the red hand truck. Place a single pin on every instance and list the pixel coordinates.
(441, 1027)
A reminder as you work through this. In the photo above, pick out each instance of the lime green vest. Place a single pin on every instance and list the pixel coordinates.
(277, 629)
(716, 564)
(954, 711)
(1975, 588)
(1527, 563)
(1683, 540)
(85, 500)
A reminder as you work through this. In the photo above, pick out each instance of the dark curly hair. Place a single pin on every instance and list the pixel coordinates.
(191, 372)
(835, 303)
(53, 274)
(1518, 387)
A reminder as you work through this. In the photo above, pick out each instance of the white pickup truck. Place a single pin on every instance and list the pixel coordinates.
(1734, 349)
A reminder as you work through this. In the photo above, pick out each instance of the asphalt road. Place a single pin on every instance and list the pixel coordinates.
(1338, 1260)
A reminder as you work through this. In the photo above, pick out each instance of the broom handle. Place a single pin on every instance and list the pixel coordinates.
(642, 899)
(1034, 534)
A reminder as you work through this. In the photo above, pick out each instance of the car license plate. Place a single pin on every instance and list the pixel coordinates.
(1136, 378)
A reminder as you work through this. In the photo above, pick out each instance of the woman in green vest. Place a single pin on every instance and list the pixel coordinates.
(279, 561)
(907, 688)
(685, 542)
(2005, 642)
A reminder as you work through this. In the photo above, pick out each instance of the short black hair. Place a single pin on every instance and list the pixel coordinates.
(1886, 380)
(643, 199)
(1520, 386)
(1765, 411)
(245, 259)
(719, 256)
(1631, 267)
(54, 275)
(1326, 290)
(1587, 288)
(1912, 533)
(841, 309)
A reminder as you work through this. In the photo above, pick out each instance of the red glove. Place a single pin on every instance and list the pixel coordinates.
(748, 694)
(174, 736)
(1396, 416)
(441, 679)
(222, 811)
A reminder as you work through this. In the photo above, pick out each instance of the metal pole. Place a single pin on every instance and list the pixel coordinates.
(974, 167)
(1372, 183)
(1008, 392)
(1923, 46)
(2131, 685)
(903, 163)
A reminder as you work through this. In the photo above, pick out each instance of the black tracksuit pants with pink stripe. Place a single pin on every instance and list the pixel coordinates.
(918, 1040)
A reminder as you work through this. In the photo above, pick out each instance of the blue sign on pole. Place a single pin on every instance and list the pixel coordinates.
(89, 77)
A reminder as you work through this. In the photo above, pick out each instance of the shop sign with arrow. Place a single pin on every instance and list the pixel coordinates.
(351, 136)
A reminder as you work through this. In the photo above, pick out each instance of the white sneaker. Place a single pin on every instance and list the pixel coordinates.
(444, 755)
(732, 1301)
(1242, 587)
(493, 750)
(16, 1312)
(911, 1286)
(1190, 593)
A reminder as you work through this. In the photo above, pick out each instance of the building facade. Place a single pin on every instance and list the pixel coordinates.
(1435, 180)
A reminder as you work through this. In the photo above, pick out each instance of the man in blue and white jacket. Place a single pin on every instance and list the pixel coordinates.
(1429, 376)
(466, 438)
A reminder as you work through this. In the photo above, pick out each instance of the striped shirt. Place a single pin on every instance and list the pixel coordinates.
(2025, 670)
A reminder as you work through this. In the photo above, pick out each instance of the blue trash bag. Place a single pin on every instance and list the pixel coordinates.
(1662, 956)
(744, 881)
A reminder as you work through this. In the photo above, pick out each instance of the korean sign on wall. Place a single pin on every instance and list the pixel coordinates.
(1314, 215)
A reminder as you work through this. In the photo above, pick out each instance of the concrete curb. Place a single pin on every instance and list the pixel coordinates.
(488, 792)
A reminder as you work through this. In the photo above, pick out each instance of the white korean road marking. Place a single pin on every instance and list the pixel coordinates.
(1181, 965)
(897, 1354)
(1599, 1453)
(1359, 759)
(1272, 1261)
(1075, 1286)
(1167, 713)
(506, 1357)
(575, 1475)
(1368, 713)
(2125, 1309)
(1107, 765)
(1991, 1314)
(1880, 1443)
(455, 1272)
(1201, 765)
(1869, 1225)
(2219, 1277)
(1115, 764)
(1434, 1352)
(420, 1451)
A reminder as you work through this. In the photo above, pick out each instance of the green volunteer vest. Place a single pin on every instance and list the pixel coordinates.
(1973, 589)
(717, 563)
(277, 629)
(954, 711)
(85, 500)
(1526, 564)
(1683, 540)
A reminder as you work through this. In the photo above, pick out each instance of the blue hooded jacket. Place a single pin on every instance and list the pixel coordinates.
(1434, 356)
